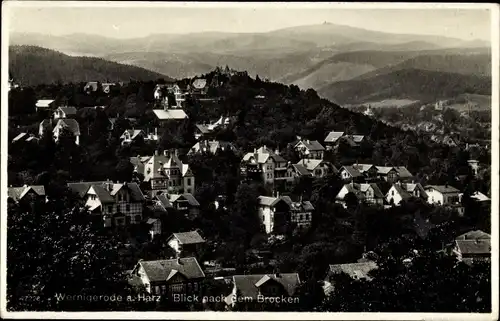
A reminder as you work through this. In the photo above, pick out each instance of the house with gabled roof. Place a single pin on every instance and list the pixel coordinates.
(211, 147)
(91, 86)
(310, 149)
(369, 193)
(186, 243)
(277, 213)
(16, 194)
(165, 173)
(169, 277)
(252, 290)
(442, 194)
(473, 246)
(266, 165)
(24, 138)
(116, 204)
(68, 124)
(131, 135)
(332, 139)
(317, 167)
(404, 191)
(107, 86)
(184, 203)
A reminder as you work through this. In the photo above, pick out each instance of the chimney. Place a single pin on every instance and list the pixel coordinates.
(156, 131)
(176, 152)
(277, 194)
(255, 150)
(156, 152)
(308, 141)
(265, 147)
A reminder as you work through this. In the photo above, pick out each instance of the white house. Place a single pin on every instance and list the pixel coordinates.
(266, 164)
(401, 191)
(310, 149)
(365, 192)
(130, 135)
(442, 194)
(186, 243)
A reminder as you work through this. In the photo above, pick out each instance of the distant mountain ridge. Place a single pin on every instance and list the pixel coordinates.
(412, 84)
(32, 65)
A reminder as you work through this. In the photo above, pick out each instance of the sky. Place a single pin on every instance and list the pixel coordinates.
(130, 22)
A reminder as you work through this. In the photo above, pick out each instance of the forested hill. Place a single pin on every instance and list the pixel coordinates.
(33, 65)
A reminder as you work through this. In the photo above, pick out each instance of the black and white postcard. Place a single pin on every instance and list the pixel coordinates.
(225, 160)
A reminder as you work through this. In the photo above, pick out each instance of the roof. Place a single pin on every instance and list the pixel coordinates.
(353, 172)
(262, 155)
(384, 170)
(248, 285)
(199, 83)
(401, 191)
(211, 146)
(444, 189)
(363, 167)
(332, 137)
(18, 137)
(70, 124)
(298, 206)
(106, 190)
(477, 246)
(170, 114)
(358, 270)
(154, 166)
(403, 172)
(360, 189)
(268, 201)
(312, 145)
(151, 220)
(311, 164)
(192, 237)
(474, 235)
(357, 138)
(301, 169)
(480, 197)
(132, 132)
(44, 103)
(68, 110)
(187, 196)
(17, 193)
(203, 128)
(163, 270)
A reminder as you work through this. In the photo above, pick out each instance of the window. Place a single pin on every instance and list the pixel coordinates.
(307, 217)
(392, 193)
(157, 289)
(169, 183)
(300, 217)
(127, 208)
(110, 208)
(176, 288)
(120, 221)
(128, 220)
(138, 218)
(189, 181)
(119, 197)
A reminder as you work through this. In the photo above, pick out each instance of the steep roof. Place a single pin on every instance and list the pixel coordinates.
(301, 169)
(262, 154)
(211, 146)
(444, 189)
(332, 137)
(480, 197)
(17, 193)
(132, 132)
(403, 172)
(268, 201)
(187, 196)
(160, 270)
(384, 170)
(358, 270)
(357, 138)
(248, 285)
(312, 145)
(401, 191)
(360, 189)
(70, 124)
(170, 114)
(353, 172)
(298, 206)
(192, 237)
(203, 128)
